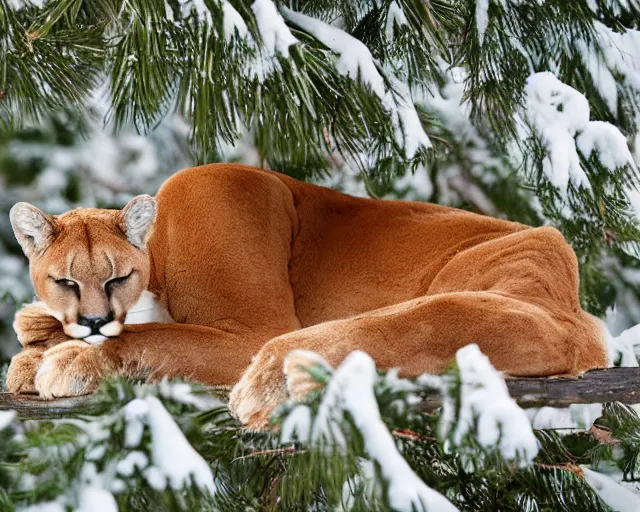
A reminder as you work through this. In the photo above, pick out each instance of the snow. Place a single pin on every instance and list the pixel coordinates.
(560, 117)
(49, 506)
(232, 22)
(356, 62)
(297, 425)
(351, 390)
(633, 195)
(612, 493)
(133, 460)
(608, 142)
(200, 8)
(7, 418)
(558, 112)
(182, 392)
(621, 53)
(155, 478)
(355, 59)
(406, 492)
(395, 17)
(18, 5)
(364, 480)
(576, 416)
(171, 452)
(623, 346)
(276, 36)
(94, 499)
(134, 413)
(96, 452)
(602, 77)
(409, 132)
(482, 18)
(486, 405)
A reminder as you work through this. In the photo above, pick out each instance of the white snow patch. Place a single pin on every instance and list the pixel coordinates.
(621, 52)
(276, 36)
(7, 418)
(183, 393)
(576, 416)
(351, 389)
(49, 506)
(95, 499)
(622, 346)
(395, 17)
(297, 425)
(171, 452)
(18, 5)
(406, 492)
(232, 22)
(608, 142)
(155, 478)
(558, 112)
(485, 402)
(133, 460)
(602, 77)
(355, 59)
(201, 10)
(356, 62)
(612, 493)
(409, 132)
(482, 18)
(134, 414)
(364, 480)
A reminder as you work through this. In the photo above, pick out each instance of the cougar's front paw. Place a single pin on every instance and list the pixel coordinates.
(259, 392)
(22, 371)
(33, 323)
(71, 368)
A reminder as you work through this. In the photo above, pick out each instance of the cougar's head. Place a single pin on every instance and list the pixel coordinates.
(89, 266)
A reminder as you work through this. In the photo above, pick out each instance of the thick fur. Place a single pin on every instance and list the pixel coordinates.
(252, 265)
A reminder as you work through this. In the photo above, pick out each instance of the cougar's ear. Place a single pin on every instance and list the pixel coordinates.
(136, 220)
(34, 229)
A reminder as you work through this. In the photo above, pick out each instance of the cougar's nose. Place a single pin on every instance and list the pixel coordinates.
(95, 322)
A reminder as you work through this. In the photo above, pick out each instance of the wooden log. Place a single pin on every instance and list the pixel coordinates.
(31, 407)
(597, 386)
(594, 387)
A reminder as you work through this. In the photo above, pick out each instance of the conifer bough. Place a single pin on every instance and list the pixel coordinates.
(534, 106)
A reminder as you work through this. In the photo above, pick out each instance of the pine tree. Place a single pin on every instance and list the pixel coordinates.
(527, 110)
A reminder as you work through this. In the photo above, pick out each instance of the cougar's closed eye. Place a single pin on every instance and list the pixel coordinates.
(67, 284)
(116, 281)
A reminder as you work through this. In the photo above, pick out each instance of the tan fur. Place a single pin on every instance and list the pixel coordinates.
(251, 263)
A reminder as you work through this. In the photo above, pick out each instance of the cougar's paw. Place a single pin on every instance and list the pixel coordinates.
(22, 371)
(71, 368)
(33, 323)
(300, 382)
(259, 392)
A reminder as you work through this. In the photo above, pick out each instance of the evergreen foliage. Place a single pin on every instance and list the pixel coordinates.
(100, 454)
(380, 88)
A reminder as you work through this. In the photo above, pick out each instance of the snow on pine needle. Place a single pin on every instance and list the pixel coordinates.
(559, 117)
(175, 462)
(356, 62)
(276, 36)
(608, 54)
(619, 498)
(485, 410)
(351, 392)
(135, 451)
(361, 443)
(557, 113)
